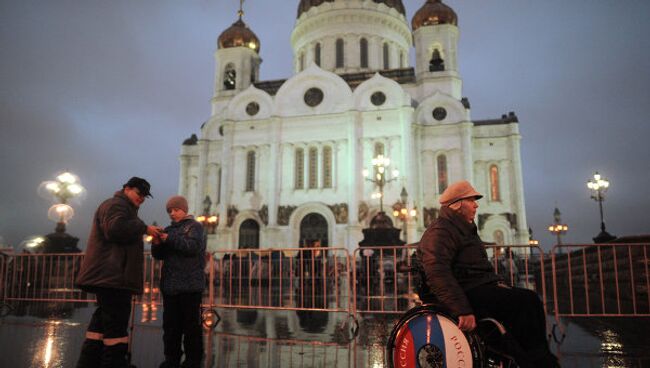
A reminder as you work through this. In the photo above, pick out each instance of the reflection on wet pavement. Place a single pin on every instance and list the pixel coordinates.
(50, 336)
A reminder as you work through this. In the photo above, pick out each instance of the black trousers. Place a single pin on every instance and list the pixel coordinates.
(111, 317)
(182, 322)
(520, 310)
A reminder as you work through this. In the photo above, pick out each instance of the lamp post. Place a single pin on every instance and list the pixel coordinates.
(598, 186)
(65, 187)
(380, 164)
(401, 211)
(209, 221)
(558, 228)
(62, 190)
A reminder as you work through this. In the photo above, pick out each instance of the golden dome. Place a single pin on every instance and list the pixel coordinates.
(307, 4)
(239, 35)
(433, 12)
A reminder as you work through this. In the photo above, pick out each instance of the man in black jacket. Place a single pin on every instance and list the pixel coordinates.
(112, 270)
(463, 281)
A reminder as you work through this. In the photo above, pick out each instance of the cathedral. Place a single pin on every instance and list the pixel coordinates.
(358, 129)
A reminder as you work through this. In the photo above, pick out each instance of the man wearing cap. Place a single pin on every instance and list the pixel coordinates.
(112, 270)
(460, 278)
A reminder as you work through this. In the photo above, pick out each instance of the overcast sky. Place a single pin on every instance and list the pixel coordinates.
(110, 89)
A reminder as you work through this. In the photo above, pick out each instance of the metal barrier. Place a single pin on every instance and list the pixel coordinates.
(315, 279)
(601, 280)
(43, 277)
(384, 280)
(591, 280)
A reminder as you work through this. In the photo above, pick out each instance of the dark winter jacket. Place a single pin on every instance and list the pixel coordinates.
(114, 253)
(454, 260)
(183, 254)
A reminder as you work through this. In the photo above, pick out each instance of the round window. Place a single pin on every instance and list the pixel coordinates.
(378, 98)
(313, 97)
(439, 113)
(252, 108)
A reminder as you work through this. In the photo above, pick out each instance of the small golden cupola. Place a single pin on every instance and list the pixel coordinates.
(432, 13)
(239, 35)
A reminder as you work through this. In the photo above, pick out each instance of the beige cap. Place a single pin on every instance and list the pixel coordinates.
(457, 191)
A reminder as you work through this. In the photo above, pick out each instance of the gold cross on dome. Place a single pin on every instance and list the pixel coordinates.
(240, 12)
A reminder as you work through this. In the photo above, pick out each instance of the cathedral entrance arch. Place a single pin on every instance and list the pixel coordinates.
(313, 228)
(249, 235)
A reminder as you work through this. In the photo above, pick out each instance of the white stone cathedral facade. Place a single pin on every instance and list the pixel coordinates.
(280, 162)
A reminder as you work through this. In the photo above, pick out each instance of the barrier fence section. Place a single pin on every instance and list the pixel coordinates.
(385, 280)
(601, 280)
(50, 278)
(315, 279)
(42, 277)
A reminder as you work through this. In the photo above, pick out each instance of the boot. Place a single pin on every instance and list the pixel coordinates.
(91, 353)
(114, 356)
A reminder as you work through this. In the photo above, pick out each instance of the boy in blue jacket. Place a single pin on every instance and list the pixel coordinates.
(182, 248)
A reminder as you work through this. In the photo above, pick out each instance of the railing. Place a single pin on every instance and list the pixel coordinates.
(384, 280)
(602, 280)
(315, 279)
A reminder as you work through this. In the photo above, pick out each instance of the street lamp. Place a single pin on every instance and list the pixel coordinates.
(599, 186)
(558, 228)
(401, 211)
(209, 221)
(64, 188)
(380, 163)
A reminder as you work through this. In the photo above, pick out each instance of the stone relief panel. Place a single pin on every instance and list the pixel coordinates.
(284, 212)
(340, 211)
(363, 211)
(264, 214)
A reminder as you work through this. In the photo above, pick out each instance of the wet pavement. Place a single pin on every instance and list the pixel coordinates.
(50, 335)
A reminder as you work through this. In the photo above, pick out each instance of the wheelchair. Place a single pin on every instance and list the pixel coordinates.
(426, 337)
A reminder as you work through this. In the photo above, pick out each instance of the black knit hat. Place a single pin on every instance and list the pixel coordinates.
(142, 185)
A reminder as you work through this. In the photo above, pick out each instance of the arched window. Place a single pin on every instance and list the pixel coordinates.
(250, 171)
(436, 64)
(313, 230)
(401, 59)
(317, 54)
(229, 77)
(299, 179)
(313, 168)
(386, 61)
(495, 194)
(339, 53)
(363, 51)
(302, 62)
(249, 235)
(443, 177)
(327, 167)
(498, 237)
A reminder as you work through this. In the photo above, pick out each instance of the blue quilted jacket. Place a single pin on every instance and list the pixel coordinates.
(183, 256)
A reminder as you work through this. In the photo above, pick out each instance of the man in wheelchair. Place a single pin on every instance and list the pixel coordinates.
(458, 276)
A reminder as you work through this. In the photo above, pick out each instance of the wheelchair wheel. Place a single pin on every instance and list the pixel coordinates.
(427, 338)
